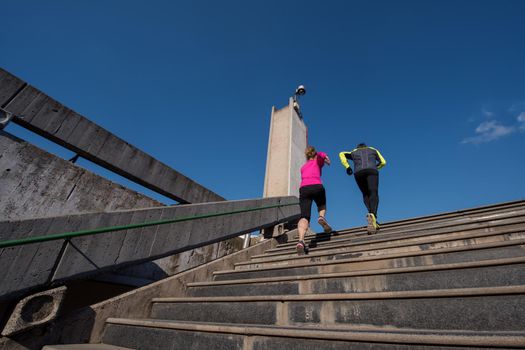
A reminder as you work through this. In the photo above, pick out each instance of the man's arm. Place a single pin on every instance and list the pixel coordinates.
(343, 156)
(380, 159)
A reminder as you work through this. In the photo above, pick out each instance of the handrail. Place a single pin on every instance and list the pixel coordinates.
(67, 235)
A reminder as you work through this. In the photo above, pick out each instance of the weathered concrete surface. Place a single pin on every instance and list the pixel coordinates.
(42, 114)
(35, 310)
(183, 261)
(87, 324)
(39, 264)
(482, 309)
(156, 334)
(498, 272)
(84, 347)
(35, 183)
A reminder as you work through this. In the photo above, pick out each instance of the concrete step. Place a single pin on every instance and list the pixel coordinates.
(385, 234)
(475, 309)
(477, 274)
(386, 237)
(84, 347)
(363, 252)
(149, 334)
(480, 252)
(355, 245)
(475, 213)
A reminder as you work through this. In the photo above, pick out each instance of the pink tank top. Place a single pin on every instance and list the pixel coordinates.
(311, 170)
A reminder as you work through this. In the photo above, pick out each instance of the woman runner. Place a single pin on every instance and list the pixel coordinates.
(312, 189)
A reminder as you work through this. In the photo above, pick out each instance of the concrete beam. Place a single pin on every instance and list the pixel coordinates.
(49, 118)
(41, 264)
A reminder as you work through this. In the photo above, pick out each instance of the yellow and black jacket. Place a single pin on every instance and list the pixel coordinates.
(363, 158)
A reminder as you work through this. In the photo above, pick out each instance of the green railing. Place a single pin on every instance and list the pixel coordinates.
(69, 235)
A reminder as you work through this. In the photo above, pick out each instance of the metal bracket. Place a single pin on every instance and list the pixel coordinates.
(8, 116)
(75, 158)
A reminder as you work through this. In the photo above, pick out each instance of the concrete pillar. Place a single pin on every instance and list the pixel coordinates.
(286, 144)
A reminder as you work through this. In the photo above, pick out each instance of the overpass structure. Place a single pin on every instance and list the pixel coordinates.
(67, 236)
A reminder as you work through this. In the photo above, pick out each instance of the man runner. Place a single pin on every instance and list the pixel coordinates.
(367, 162)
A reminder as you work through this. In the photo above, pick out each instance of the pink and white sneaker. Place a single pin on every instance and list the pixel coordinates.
(301, 248)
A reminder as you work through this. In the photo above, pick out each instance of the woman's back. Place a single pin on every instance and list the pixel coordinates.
(311, 171)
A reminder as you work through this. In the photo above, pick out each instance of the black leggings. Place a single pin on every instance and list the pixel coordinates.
(368, 182)
(310, 193)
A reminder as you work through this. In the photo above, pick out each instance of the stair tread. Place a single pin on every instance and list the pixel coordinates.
(473, 213)
(469, 264)
(500, 290)
(84, 347)
(347, 333)
(385, 234)
(378, 257)
(359, 247)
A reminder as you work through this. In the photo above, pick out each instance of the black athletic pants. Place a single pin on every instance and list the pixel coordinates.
(368, 182)
(307, 194)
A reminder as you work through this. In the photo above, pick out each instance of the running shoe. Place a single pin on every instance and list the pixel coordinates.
(301, 248)
(372, 226)
(324, 224)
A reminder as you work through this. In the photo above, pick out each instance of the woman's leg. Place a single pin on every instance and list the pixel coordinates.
(322, 210)
(305, 203)
(320, 201)
(302, 227)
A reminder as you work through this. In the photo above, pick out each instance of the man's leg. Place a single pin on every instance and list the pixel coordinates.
(362, 183)
(373, 187)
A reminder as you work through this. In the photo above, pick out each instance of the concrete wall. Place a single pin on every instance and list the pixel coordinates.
(35, 183)
(286, 145)
(41, 264)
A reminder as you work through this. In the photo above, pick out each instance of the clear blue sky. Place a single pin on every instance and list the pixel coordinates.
(437, 86)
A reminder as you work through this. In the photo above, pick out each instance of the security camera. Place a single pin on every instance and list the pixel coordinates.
(301, 90)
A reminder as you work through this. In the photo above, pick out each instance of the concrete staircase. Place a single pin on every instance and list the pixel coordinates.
(449, 281)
